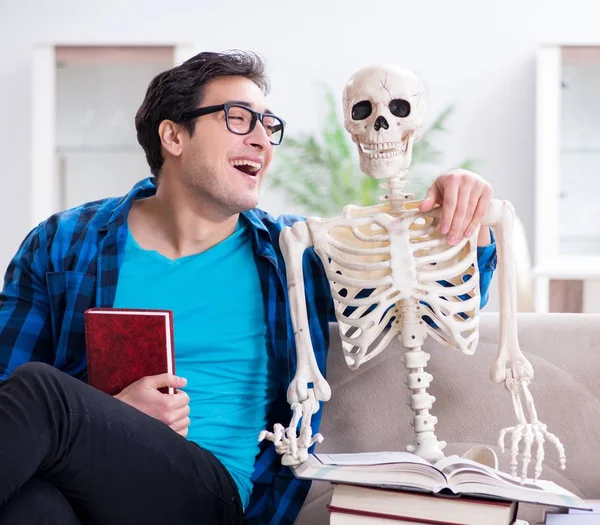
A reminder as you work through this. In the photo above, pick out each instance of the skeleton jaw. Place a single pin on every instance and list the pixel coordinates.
(385, 159)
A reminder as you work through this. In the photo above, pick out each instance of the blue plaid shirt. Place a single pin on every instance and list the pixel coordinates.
(71, 262)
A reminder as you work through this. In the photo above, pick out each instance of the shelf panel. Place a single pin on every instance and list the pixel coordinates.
(569, 267)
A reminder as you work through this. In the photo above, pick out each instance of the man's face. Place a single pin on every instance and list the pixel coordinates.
(223, 169)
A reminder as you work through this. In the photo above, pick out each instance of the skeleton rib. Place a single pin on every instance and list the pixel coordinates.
(356, 318)
(467, 324)
(359, 283)
(440, 256)
(424, 231)
(367, 266)
(459, 289)
(383, 250)
(356, 212)
(373, 353)
(445, 273)
(456, 306)
(466, 345)
(433, 243)
(370, 238)
(363, 301)
(370, 334)
(443, 338)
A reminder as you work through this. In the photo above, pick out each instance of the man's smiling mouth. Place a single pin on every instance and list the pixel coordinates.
(249, 167)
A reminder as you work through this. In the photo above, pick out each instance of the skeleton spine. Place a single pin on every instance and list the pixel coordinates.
(393, 192)
(426, 443)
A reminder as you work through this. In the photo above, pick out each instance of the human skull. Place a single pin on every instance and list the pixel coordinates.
(384, 111)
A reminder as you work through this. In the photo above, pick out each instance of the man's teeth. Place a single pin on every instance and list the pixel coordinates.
(254, 165)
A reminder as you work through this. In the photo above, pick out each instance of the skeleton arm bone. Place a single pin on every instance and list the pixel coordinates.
(303, 399)
(510, 365)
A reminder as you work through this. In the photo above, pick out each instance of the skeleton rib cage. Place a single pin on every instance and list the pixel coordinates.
(371, 291)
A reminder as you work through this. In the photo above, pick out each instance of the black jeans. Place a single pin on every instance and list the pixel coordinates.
(70, 454)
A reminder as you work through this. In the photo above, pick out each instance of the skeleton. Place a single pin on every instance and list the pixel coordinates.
(392, 273)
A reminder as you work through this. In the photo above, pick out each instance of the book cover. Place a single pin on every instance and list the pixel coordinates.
(124, 345)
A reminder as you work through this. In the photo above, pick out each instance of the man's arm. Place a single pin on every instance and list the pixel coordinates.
(25, 324)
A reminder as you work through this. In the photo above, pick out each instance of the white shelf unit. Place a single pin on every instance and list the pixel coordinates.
(567, 179)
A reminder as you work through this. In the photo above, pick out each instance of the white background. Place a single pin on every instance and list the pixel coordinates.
(477, 55)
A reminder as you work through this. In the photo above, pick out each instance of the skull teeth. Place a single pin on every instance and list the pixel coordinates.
(383, 155)
(381, 147)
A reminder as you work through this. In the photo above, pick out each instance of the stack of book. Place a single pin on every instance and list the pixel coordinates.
(574, 516)
(360, 505)
(390, 488)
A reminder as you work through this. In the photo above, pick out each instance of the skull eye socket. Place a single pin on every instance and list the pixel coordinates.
(361, 110)
(400, 108)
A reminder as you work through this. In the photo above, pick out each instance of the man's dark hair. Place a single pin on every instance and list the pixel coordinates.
(181, 89)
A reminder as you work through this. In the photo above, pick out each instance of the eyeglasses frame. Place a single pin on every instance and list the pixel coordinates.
(256, 116)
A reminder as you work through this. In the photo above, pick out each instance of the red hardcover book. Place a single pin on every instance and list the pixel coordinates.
(126, 344)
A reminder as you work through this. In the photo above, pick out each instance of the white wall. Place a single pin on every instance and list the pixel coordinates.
(478, 56)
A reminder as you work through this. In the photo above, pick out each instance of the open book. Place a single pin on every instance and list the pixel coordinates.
(402, 470)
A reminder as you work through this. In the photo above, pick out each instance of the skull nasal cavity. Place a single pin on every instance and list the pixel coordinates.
(381, 123)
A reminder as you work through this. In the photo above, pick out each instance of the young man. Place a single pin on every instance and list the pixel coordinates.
(189, 239)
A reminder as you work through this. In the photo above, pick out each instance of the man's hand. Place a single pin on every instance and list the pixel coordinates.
(465, 198)
(173, 410)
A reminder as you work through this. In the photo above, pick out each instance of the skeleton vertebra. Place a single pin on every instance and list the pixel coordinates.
(392, 273)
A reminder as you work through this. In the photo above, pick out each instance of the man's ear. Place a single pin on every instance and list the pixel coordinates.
(171, 137)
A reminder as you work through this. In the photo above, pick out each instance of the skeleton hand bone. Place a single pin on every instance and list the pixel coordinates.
(525, 431)
(295, 448)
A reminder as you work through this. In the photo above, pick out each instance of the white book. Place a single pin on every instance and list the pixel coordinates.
(454, 474)
(572, 519)
(595, 506)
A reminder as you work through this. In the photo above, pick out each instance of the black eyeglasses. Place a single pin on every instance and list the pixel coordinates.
(241, 120)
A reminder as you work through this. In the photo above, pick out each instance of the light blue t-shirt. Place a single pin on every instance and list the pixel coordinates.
(220, 341)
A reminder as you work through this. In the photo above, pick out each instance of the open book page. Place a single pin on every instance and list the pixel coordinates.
(456, 467)
(371, 458)
(416, 474)
(469, 477)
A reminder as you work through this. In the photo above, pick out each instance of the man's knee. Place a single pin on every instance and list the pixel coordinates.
(34, 368)
(34, 371)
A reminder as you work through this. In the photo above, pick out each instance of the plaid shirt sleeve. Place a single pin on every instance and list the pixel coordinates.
(25, 328)
(487, 260)
(277, 495)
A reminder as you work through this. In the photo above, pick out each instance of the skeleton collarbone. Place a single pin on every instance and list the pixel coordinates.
(380, 261)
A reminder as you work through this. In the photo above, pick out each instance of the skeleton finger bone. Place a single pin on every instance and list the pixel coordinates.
(528, 441)
(539, 439)
(298, 451)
